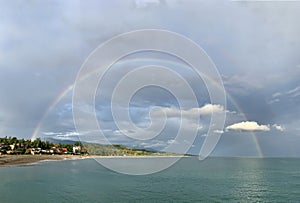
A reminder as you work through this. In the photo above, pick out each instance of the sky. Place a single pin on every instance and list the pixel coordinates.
(254, 45)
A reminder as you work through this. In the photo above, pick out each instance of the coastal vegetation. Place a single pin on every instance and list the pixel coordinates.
(13, 146)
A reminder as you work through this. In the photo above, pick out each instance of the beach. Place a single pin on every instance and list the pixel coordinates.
(8, 160)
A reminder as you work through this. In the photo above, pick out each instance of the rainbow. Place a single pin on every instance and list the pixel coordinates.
(52, 105)
(253, 135)
(69, 89)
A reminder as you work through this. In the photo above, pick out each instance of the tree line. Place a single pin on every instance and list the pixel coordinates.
(22, 145)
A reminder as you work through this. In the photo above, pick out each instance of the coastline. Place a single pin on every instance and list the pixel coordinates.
(12, 160)
(132, 157)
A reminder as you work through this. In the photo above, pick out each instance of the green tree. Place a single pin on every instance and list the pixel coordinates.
(37, 143)
(78, 143)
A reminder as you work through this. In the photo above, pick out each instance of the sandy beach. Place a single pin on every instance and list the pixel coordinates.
(8, 160)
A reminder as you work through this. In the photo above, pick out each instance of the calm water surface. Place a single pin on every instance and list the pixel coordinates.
(189, 180)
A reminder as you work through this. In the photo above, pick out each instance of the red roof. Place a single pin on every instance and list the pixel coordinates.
(64, 149)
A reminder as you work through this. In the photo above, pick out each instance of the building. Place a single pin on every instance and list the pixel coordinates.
(12, 146)
(76, 149)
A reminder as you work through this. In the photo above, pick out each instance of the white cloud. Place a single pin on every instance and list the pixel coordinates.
(62, 134)
(205, 110)
(292, 93)
(295, 92)
(208, 109)
(146, 3)
(273, 101)
(172, 141)
(219, 131)
(154, 144)
(122, 132)
(68, 134)
(278, 127)
(248, 126)
(200, 127)
(277, 94)
(50, 133)
(72, 135)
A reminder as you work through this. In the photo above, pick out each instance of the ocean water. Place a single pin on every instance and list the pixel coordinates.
(189, 180)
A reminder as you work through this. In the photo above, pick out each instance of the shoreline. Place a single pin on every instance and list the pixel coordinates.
(11, 160)
(23, 160)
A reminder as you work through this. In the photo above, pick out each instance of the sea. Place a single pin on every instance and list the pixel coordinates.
(189, 180)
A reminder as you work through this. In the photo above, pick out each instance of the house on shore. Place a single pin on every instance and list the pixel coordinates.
(2, 151)
(3, 148)
(76, 149)
(34, 151)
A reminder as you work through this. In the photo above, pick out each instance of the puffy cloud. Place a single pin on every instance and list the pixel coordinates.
(205, 110)
(278, 127)
(208, 109)
(248, 126)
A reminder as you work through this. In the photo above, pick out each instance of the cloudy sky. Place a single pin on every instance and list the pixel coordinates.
(254, 45)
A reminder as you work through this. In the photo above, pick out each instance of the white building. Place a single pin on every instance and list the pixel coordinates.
(76, 149)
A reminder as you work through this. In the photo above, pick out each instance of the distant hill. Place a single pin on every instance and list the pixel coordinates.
(121, 150)
(112, 150)
(54, 141)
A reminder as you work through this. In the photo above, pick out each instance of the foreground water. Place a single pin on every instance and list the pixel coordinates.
(189, 180)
